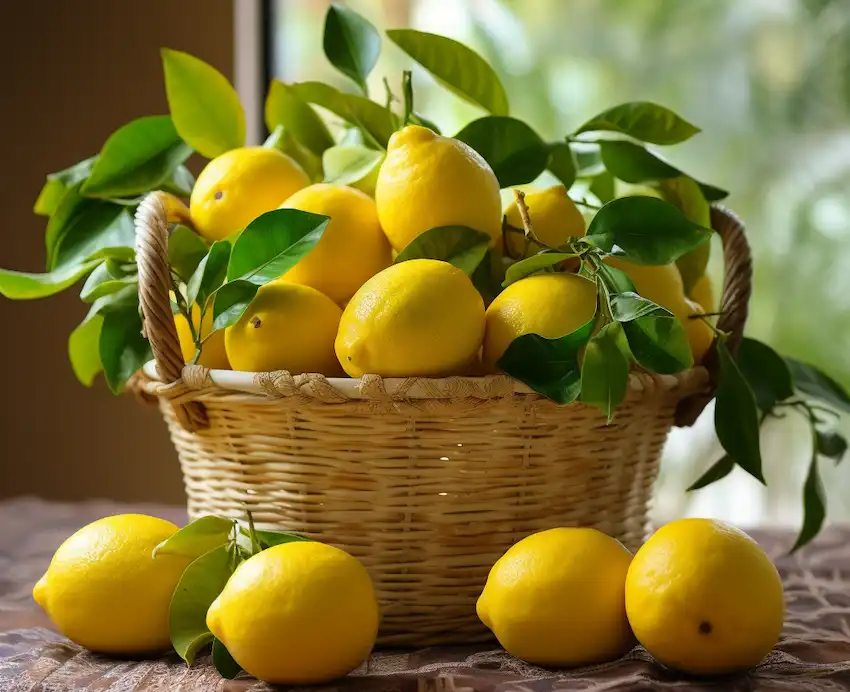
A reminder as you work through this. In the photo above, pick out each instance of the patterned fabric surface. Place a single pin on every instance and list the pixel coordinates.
(813, 655)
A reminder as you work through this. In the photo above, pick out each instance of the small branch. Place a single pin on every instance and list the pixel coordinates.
(390, 97)
(522, 207)
(584, 203)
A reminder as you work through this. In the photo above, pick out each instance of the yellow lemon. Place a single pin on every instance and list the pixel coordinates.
(240, 185)
(702, 292)
(554, 218)
(661, 284)
(557, 598)
(550, 305)
(421, 317)
(286, 327)
(428, 181)
(213, 354)
(703, 597)
(353, 247)
(297, 614)
(104, 590)
(700, 334)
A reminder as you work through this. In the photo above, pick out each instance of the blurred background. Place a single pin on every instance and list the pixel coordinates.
(768, 81)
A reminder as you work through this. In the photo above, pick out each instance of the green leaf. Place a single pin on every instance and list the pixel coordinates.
(659, 343)
(685, 194)
(197, 538)
(831, 444)
(588, 159)
(26, 286)
(646, 230)
(419, 119)
(123, 349)
(105, 280)
(202, 581)
(642, 120)
(626, 307)
(137, 158)
(375, 120)
(84, 349)
(603, 187)
(766, 372)
(346, 165)
(548, 366)
(351, 43)
(209, 275)
(118, 254)
(615, 280)
(58, 184)
(456, 67)
(515, 152)
(231, 300)
(562, 163)
(535, 263)
(224, 663)
(283, 140)
(269, 539)
(458, 245)
(179, 183)
(815, 383)
(814, 506)
(186, 249)
(488, 276)
(285, 108)
(719, 470)
(712, 193)
(605, 371)
(204, 106)
(736, 417)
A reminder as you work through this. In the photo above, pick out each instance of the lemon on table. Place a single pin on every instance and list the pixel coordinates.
(551, 305)
(702, 596)
(213, 354)
(428, 181)
(554, 219)
(421, 317)
(702, 292)
(104, 590)
(700, 334)
(240, 185)
(297, 614)
(557, 598)
(353, 247)
(286, 327)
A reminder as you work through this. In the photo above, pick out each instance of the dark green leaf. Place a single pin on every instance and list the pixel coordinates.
(548, 366)
(123, 349)
(120, 301)
(603, 187)
(180, 182)
(458, 245)
(736, 417)
(204, 106)
(200, 585)
(488, 276)
(616, 280)
(766, 372)
(588, 159)
(685, 194)
(118, 254)
(346, 165)
(831, 444)
(285, 108)
(231, 300)
(137, 158)
(224, 663)
(814, 506)
(659, 343)
(626, 307)
(719, 470)
(58, 184)
(419, 119)
(209, 275)
(605, 371)
(26, 286)
(642, 120)
(646, 230)
(712, 193)
(562, 163)
(185, 251)
(535, 263)
(84, 349)
(514, 151)
(269, 539)
(105, 280)
(351, 43)
(197, 538)
(458, 68)
(815, 383)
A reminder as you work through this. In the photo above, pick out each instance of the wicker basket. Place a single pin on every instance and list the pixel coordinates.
(427, 481)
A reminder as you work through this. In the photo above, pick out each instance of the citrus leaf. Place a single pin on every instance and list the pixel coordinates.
(814, 506)
(659, 343)
(718, 471)
(209, 275)
(57, 185)
(137, 158)
(351, 43)
(815, 383)
(346, 165)
(224, 663)
(642, 120)
(488, 276)
(605, 371)
(458, 68)
(285, 108)
(535, 263)
(202, 581)
(588, 159)
(562, 163)
(515, 152)
(186, 249)
(27, 286)
(548, 366)
(766, 372)
(180, 182)
(103, 281)
(204, 106)
(269, 539)
(458, 245)
(196, 538)
(84, 349)
(831, 444)
(603, 187)
(615, 280)
(626, 307)
(282, 140)
(123, 349)
(231, 300)
(645, 230)
(736, 418)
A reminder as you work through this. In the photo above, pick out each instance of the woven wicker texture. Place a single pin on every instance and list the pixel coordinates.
(427, 485)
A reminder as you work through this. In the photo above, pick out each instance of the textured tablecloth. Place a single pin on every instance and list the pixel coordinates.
(813, 655)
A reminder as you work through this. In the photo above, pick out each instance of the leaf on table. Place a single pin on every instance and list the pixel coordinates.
(460, 246)
(642, 120)
(351, 43)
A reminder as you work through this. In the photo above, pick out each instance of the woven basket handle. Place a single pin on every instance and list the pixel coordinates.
(152, 218)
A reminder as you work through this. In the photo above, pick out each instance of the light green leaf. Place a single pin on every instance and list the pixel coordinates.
(197, 537)
(458, 245)
(105, 280)
(58, 184)
(204, 106)
(186, 249)
(562, 163)
(84, 349)
(224, 663)
(346, 165)
(209, 275)
(515, 152)
(282, 140)
(123, 349)
(458, 68)
(605, 371)
(285, 108)
(269, 539)
(659, 343)
(351, 43)
(179, 183)
(642, 120)
(535, 263)
(26, 286)
(231, 300)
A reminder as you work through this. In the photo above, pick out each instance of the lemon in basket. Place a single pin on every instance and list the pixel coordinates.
(240, 185)
(551, 305)
(428, 181)
(702, 596)
(702, 292)
(104, 590)
(557, 598)
(554, 219)
(421, 317)
(353, 247)
(286, 327)
(297, 614)
(700, 334)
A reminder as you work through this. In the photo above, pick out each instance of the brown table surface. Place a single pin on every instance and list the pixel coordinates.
(814, 653)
